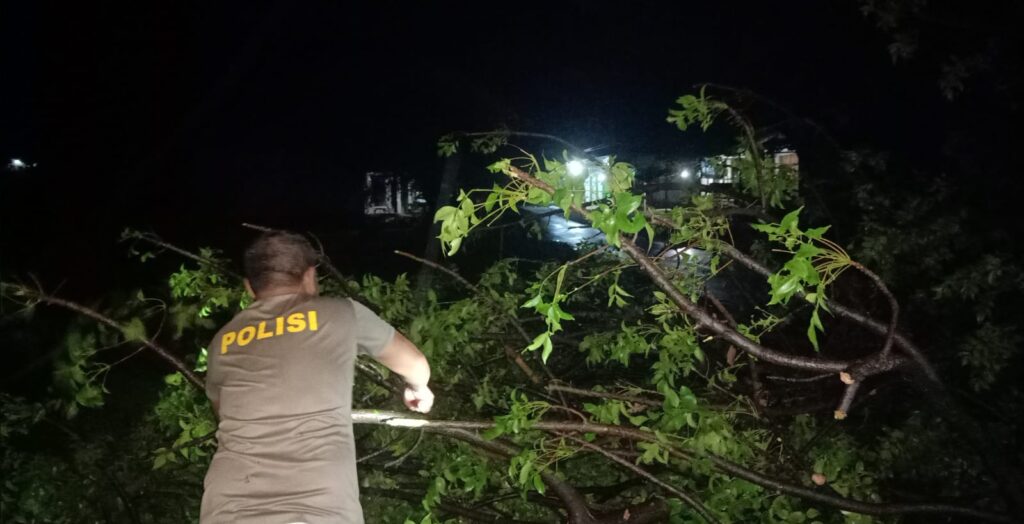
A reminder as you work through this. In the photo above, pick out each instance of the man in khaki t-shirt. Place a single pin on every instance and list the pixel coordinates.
(280, 379)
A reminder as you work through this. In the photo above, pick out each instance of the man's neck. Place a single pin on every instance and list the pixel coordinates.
(279, 291)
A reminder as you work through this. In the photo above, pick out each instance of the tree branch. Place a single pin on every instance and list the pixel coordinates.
(689, 499)
(154, 239)
(41, 296)
(838, 308)
(894, 306)
(527, 134)
(725, 466)
(702, 318)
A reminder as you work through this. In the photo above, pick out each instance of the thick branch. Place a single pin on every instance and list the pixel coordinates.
(838, 308)
(719, 329)
(1009, 480)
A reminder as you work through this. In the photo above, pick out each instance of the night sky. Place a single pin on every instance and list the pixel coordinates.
(188, 118)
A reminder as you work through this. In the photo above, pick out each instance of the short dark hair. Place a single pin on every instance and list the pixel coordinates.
(278, 258)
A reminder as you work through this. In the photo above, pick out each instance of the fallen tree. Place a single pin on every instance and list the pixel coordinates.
(642, 399)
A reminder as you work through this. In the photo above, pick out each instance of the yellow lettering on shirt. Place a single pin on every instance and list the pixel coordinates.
(261, 333)
(245, 335)
(227, 340)
(296, 322)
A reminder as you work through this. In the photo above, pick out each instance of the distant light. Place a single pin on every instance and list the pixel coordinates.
(685, 173)
(602, 176)
(16, 163)
(575, 167)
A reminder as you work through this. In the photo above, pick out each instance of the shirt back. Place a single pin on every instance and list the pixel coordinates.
(281, 373)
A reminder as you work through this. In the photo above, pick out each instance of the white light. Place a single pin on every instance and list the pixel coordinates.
(685, 173)
(575, 167)
(406, 422)
(16, 163)
(602, 176)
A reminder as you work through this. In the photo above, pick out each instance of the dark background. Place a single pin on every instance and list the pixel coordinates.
(189, 118)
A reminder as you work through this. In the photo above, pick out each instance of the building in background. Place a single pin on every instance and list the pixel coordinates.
(706, 175)
(388, 194)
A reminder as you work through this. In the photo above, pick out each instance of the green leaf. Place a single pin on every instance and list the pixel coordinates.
(533, 302)
(538, 484)
(90, 396)
(501, 166)
(548, 348)
(444, 213)
(791, 221)
(539, 341)
(453, 246)
(813, 328)
(559, 279)
(524, 473)
(134, 330)
(817, 232)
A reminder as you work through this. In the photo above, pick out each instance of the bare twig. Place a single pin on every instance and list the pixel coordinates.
(399, 460)
(894, 306)
(801, 380)
(576, 150)
(154, 239)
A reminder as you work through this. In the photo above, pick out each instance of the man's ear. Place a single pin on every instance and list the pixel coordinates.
(248, 288)
(309, 283)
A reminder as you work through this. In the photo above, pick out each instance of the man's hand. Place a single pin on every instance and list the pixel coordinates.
(419, 399)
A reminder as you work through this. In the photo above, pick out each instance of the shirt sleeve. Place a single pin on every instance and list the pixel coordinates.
(212, 379)
(373, 334)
